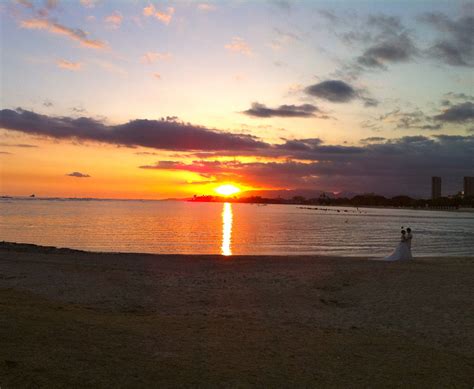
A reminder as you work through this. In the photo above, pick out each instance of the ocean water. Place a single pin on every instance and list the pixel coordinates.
(222, 228)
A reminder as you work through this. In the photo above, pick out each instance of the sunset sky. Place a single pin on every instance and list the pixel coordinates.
(138, 99)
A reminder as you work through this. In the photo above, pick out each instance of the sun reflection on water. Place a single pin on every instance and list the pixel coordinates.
(226, 229)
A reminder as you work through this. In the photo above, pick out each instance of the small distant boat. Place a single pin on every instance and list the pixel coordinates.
(33, 195)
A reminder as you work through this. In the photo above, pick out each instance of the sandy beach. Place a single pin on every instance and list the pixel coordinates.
(78, 319)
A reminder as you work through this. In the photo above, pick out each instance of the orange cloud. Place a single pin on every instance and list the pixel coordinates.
(238, 45)
(56, 28)
(163, 16)
(114, 20)
(88, 3)
(152, 56)
(206, 7)
(64, 64)
(149, 11)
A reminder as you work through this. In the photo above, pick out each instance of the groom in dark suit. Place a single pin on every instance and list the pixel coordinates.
(409, 237)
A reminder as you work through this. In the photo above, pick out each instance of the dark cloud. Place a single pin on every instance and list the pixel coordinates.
(431, 127)
(460, 113)
(300, 144)
(449, 53)
(4, 152)
(455, 45)
(395, 166)
(159, 134)
(78, 175)
(381, 39)
(454, 112)
(262, 111)
(311, 149)
(47, 103)
(372, 139)
(396, 49)
(336, 91)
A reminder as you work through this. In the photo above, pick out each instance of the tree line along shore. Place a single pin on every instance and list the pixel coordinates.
(371, 200)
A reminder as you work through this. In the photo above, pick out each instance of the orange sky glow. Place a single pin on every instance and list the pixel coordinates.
(145, 100)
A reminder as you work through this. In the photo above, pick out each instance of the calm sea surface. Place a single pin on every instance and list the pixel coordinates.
(216, 228)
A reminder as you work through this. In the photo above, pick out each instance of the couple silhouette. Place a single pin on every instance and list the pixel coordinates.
(403, 250)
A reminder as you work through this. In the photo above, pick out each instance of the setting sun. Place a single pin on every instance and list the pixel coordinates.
(227, 190)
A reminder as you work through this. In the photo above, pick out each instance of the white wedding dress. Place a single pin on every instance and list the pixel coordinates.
(401, 253)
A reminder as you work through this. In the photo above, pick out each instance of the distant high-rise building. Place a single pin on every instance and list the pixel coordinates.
(435, 187)
(468, 186)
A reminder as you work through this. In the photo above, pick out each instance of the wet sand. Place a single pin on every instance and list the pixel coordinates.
(78, 319)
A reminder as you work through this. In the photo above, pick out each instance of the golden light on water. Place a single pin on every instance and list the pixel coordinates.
(226, 248)
(227, 190)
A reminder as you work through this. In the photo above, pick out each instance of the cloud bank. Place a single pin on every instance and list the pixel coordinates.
(387, 166)
(391, 167)
(164, 134)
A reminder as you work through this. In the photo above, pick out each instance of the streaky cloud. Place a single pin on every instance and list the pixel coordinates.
(262, 111)
(22, 145)
(65, 64)
(59, 29)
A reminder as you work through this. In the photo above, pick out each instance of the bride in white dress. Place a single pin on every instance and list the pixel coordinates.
(402, 251)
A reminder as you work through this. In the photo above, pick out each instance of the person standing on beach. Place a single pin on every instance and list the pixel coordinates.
(409, 237)
(402, 251)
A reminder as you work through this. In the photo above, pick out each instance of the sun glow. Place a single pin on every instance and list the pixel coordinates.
(227, 190)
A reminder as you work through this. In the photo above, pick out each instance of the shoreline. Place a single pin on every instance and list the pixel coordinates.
(37, 248)
(74, 318)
